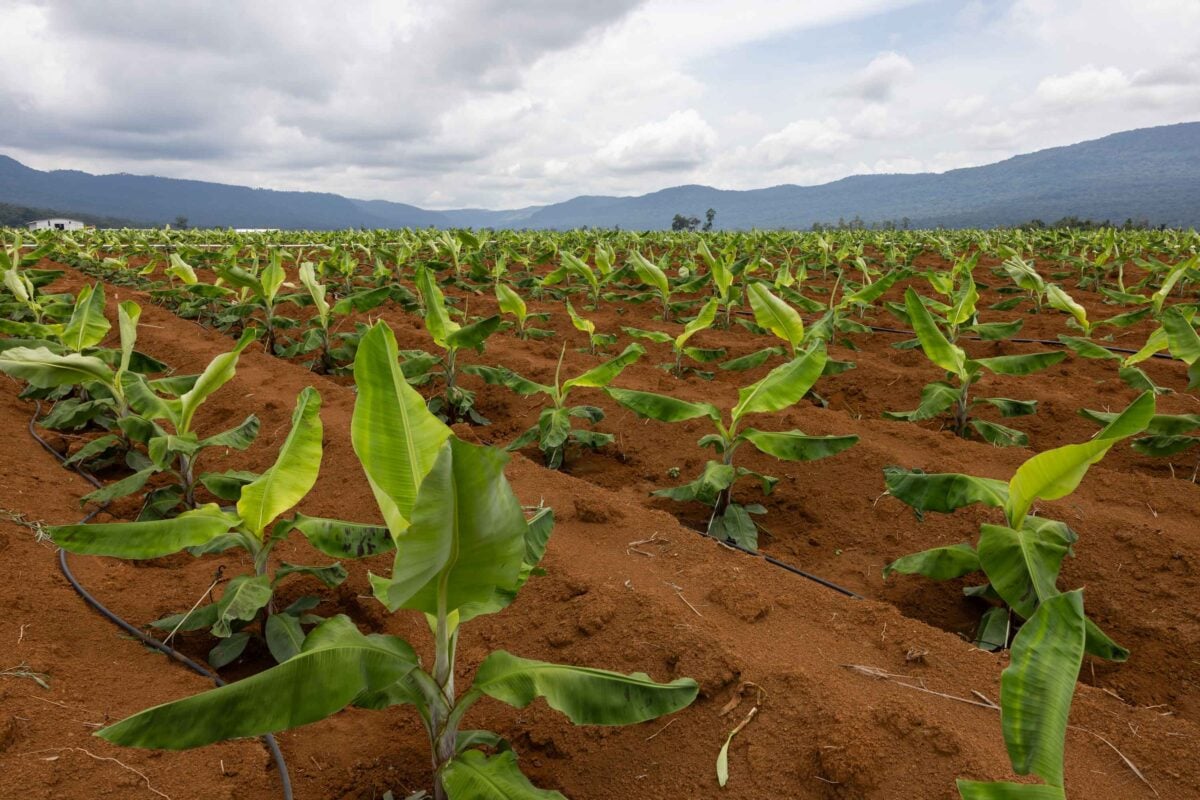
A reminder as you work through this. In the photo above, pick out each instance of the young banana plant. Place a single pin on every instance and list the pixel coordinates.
(178, 449)
(59, 359)
(1059, 300)
(509, 302)
(679, 344)
(252, 526)
(723, 271)
(596, 279)
(318, 337)
(1021, 559)
(260, 291)
(553, 431)
(941, 396)
(596, 341)
(1036, 690)
(463, 549)
(654, 277)
(455, 404)
(1169, 435)
(775, 316)
(780, 388)
(1026, 277)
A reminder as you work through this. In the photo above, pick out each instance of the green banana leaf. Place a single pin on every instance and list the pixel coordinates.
(936, 397)
(1056, 473)
(218, 372)
(150, 539)
(88, 326)
(943, 492)
(775, 315)
(600, 376)
(661, 407)
(45, 369)
(783, 386)
(340, 539)
(471, 775)
(241, 601)
(336, 665)
(937, 347)
(585, 695)
(294, 472)
(797, 446)
(466, 536)
(1022, 364)
(938, 563)
(1037, 687)
(394, 436)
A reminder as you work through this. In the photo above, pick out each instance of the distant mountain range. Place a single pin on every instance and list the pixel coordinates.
(1150, 174)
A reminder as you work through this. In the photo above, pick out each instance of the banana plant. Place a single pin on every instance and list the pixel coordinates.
(509, 302)
(553, 431)
(455, 404)
(782, 387)
(64, 362)
(843, 300)
(959, 311)
(1026, 277)
(259, 291)
(463, 548)
(596, 341)
(941, 396)
(1021, 559)
(679, 344)
(318, 337)
(332, 349)
(723, 270)
(1036, 690)
(1058, 299)
(177, 450)
(17, 256)
(1169, 434)
(596, 279)
(253, 527)
(654, 277)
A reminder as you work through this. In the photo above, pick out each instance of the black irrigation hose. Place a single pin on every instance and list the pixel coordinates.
(284, 778)
(1019, 340)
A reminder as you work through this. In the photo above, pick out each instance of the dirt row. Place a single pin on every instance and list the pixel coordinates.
(677, 605)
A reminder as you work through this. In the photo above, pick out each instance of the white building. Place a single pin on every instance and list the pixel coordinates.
(56, 224)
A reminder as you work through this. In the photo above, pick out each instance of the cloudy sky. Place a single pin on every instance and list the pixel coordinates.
(505, 103)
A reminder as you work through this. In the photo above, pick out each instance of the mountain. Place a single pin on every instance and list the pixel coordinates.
(205, 204)
(1148, 174)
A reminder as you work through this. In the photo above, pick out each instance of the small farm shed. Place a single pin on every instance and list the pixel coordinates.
(55, 224)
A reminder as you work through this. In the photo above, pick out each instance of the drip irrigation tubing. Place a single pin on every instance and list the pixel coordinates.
(273, 746)
(1021, 340)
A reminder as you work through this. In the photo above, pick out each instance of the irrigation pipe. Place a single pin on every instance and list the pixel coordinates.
(1020, 340)
(273, 746)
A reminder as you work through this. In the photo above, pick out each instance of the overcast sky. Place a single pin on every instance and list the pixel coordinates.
(505, 103)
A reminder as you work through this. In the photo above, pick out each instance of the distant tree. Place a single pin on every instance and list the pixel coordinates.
(708, 219)
(181, 222)
(682, 223)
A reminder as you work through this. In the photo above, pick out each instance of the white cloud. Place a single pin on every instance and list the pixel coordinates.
(966, 107)
(1086, 85)
(506, 103)
(679, 142)
(880, 78)
(876, 121)
(799, 140)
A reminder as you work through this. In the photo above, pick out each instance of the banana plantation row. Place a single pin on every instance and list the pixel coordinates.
(464, 546)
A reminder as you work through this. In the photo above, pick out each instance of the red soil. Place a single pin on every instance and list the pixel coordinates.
(679, 605)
